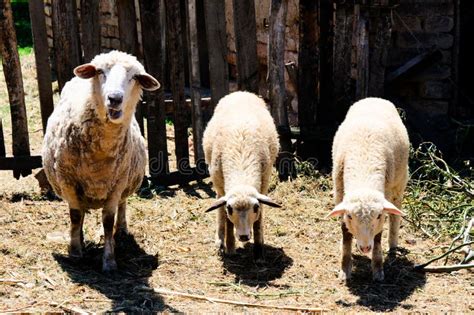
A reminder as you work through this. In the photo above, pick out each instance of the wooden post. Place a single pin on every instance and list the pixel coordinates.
(67, 48)
(308, 74)
(152, 26)
(195, 81)
(174, 33)
(43, 68)
(245, 31)
(3, 152)
(343, 86)
(360, 53)
(276, 80)
(217, 43)
(382, 28)
(127, 19)
(90, 27)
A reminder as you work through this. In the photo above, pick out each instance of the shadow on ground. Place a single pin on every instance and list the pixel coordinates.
(401, 281)
(126, 288)
(248, 272)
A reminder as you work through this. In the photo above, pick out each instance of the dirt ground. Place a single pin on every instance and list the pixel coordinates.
(171, 246)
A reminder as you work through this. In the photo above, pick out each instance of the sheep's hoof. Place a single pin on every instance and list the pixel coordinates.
(378, 276)
(345, 275)
(230, 251)
(109, 266)
(121, 231)
(75, 252)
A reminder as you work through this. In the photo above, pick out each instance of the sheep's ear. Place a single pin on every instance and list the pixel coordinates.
(390, 208)
(147, 82)
(340, 209)
(219, 203)
(85, 71)
(267, 201)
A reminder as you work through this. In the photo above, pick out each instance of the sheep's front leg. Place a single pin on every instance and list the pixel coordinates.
(393, 231)
(229, 238)
(346, 262)
(377, 259)
(121, 224)
(108, 260)
(76, 233)
(220, 232)
(258, 239)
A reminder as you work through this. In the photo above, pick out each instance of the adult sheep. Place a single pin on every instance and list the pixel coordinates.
(93, 152)
(240, 146)
(370, 172)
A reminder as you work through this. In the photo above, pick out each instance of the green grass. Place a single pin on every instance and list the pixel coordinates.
(23, 51)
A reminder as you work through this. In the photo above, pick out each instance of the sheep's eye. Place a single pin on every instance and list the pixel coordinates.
(349, 217)
(99, 71)
(255, 208)
(379, 216)
(229, 209)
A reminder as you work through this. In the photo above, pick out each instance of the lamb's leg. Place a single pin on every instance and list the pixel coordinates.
(121, 224)
(258, 238)
(229, 238)
(394, 227)
(221, 219)
(346, 263)
(377, 259)
(76, 233)
(108, 260)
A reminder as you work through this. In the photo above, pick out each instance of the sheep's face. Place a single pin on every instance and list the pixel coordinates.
(364, 216)
(243, 208)
(119, 79)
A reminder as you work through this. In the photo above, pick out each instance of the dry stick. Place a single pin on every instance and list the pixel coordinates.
(20, 308)
(217, 300)
(448, 268)
(422, 266)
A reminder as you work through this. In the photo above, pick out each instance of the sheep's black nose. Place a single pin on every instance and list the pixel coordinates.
(244, 238)
(115, 98)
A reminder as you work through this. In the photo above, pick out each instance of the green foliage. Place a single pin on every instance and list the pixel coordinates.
(438, 199)
(21, 17)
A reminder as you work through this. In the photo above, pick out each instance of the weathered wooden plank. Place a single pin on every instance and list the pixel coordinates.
(43, 68)
(195, 80)
(152, 26)
(3, 152)
(245, 31)
(127, 19)
(414, 65)
(20, 162)
(343, 85)
(308, 72)
(381, 27)
(174, 33)
(16, 95)
(217, 43)
(179, 178)
(67, 48)
(360, 51)
(90, 27)
(276, 82)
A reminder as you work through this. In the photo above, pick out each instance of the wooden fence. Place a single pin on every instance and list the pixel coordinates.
(333, 69)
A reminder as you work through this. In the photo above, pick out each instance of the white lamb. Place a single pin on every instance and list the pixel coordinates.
(370, 172)
(240, 147)
(93, 152)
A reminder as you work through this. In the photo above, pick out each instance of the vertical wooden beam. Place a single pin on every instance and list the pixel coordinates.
(174, 33)
(67, 48)
(43, 68)
(217, 43)
(343, 85)
(90, 27)
(381, 27)
(195, 81)
(3, 152)
(276, 79)
(152, 26)
(308, 73)
(245, 31)
(360, 51)
(16, 95)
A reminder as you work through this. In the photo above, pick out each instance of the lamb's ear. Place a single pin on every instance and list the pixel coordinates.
(338, 210)
(267, 201)
(219, 203)
(147, 82)
(390, 208)
(85, 71)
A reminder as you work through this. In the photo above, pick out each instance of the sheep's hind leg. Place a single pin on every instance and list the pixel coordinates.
(346, 262)
(76, 233)
(377, 259)
(108, 259)
(121, 224)
(258, 239)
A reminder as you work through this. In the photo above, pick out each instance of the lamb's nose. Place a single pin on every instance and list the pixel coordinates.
(115, 98)
(365, 249)
(244, 238)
